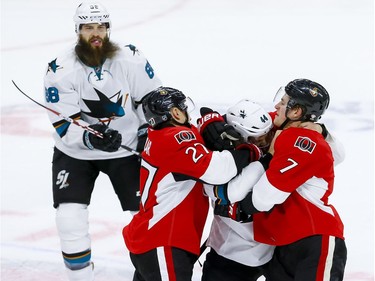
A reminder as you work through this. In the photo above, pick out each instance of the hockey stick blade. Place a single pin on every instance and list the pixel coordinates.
(70, 120)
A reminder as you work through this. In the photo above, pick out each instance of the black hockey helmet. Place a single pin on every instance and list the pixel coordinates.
(311, 96)
(158, 103)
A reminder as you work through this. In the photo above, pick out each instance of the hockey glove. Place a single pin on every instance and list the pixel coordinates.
(110, 142)
(254, 152)
(265, 160)
(224, 208)
(217, 134)
(142, 137)
(232, 211)
(246, 205)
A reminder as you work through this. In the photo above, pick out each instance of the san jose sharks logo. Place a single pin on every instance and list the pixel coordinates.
(53, 66)
(104, 107)
(133, 49)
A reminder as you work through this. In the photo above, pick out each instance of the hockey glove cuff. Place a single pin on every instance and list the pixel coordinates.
(232, 211)
(254, 152)
(217, 134)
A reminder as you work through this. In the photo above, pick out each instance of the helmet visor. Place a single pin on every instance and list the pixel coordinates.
(279, 94)
(189, 105)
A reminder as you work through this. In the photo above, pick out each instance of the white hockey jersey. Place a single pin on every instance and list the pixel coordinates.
(235, 240)
(103, 94)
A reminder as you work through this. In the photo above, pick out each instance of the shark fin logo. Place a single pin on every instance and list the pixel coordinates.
(104, 107)
(53, 66)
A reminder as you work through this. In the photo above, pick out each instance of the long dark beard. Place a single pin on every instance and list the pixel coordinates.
(95, 56)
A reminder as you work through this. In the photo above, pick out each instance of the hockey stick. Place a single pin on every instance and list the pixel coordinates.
(70, 120)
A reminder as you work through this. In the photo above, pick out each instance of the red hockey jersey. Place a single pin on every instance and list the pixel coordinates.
(173, 206)
(295, 190)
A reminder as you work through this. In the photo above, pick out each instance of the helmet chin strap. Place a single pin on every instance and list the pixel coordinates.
(284, 123)
(288, 120)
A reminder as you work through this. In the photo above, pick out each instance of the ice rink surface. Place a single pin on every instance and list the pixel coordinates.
(215, 51)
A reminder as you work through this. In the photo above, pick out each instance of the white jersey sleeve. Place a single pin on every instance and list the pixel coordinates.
(241, 185)
(337, 148)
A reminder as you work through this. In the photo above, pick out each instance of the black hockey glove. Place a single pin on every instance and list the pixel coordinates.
(224, 208)
(110, 142)
(265, 160)
(254, 152)
(232, 211)
(142, 137)
(217, 134)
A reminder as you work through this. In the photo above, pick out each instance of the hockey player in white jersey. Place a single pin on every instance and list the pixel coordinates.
(234, 254)
(99, 85)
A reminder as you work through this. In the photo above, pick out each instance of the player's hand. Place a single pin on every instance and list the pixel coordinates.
(217, 134)
(254, 152)
(232, 211)
(110, 142)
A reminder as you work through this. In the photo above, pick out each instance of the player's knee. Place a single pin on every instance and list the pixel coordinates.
(72, 225)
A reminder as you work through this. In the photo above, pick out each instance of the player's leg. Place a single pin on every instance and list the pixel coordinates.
(275, 269)
(73, 182)
(338, 260)
(315, 258)
(219, 268)
(146, 266)
(124, 175)
(183, 263)
(324, 259)
(163, 263)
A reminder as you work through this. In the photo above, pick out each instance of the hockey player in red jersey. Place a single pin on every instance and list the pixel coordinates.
(234, 254)
(289, 203)
(164, 237)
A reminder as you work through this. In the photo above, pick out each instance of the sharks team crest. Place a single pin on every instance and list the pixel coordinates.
(106, 100)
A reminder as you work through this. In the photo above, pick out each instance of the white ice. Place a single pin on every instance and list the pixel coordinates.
(217, 52)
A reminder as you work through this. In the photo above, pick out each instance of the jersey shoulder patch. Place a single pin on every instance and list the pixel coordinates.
(185, 136)
(305, 144)
(61, 65)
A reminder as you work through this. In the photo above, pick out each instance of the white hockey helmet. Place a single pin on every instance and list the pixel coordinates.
(249, 119)
(91, 12)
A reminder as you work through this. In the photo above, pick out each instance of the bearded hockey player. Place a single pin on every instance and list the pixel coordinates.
(99, 85)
